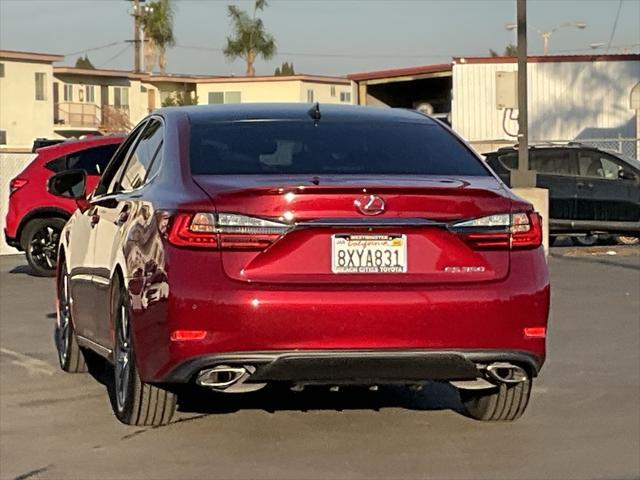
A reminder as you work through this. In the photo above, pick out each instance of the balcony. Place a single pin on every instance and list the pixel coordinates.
(76, 116)
(83, 116)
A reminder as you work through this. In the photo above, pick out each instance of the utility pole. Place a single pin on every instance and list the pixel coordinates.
(522, 177)
(137, 67)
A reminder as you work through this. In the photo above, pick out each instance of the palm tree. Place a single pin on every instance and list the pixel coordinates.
(249, 37)
(157, 24)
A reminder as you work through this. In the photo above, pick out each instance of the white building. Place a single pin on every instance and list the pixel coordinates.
(26, 100)
(577, 97)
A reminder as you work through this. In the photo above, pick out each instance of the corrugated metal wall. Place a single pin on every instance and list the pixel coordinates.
(567, 100)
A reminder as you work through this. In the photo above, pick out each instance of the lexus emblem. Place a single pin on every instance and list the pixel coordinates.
(369, 205)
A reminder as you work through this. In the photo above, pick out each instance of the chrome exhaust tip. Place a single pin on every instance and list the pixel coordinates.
(227, 379)
(504, 372)
(220, 377)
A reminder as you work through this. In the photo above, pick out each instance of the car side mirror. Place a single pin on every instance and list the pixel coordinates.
(626, 175)
(69, 184)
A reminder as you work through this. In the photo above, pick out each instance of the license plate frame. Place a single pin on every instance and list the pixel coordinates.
(366, 262)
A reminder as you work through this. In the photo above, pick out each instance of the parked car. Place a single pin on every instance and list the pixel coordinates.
(591, 191)
(238, 245)
(35, 217)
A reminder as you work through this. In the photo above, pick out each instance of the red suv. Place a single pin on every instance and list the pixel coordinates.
(35, 217)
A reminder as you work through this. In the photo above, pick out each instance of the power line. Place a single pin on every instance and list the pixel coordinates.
(92, 49)
(115, 56)
(615, 26)
(324, 55)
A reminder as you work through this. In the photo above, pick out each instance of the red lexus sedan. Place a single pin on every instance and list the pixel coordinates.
(35, 217)
(235, 246)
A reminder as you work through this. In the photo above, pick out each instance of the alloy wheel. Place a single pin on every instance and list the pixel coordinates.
(63, 330)
(44, 247)
(123, 357)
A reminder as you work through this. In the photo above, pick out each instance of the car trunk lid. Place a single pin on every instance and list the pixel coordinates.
(322, 211)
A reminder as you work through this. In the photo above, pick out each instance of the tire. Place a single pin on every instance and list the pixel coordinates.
(70, 356)
(504, 403)
(40, 239)
(626, 240)
(586, 241)
(134, 402)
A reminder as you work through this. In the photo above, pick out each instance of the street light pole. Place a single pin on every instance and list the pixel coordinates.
(546, 34)
(545, 39)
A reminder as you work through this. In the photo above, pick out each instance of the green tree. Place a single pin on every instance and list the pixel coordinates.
(285, 69)
(157, 25)
(509, 51)
(84, 62)
(180, 99)
(249, 39)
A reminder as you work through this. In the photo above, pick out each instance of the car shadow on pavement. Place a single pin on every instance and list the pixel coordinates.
(273, 398)
(22, 269)
(279, 397)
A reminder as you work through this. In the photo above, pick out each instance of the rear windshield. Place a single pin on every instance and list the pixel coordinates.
(300, 147)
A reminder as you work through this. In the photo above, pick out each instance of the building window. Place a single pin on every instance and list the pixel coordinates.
(216, 98)
(121, 97)
(345, 97)
(143, 89)
(68, 92)
(1, 70)
(41, 81)
(333, 90)
(3, 137)
(232, 97)
(89, 94)
(309, 96)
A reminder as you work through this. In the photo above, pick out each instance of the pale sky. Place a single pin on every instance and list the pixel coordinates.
(320, 36)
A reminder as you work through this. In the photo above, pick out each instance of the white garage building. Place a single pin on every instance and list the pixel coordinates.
(584, 98)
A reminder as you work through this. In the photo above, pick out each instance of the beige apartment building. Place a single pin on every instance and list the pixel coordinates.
(93, 100)
(295, 88)
(26, 97)
(38, 99)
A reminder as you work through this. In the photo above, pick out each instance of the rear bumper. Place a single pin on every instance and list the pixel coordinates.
(258, 320)
(12, 242)
(358, 366)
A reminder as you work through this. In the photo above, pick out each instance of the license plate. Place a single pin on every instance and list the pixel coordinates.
(368, 253)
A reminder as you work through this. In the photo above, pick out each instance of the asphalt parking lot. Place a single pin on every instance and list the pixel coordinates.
(583, 420)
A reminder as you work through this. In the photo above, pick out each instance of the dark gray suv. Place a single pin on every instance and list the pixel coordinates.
(591, 191)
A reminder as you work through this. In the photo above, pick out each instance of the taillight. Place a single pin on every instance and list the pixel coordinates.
(501, 231)
(526, 230)
(223, 230)
(16, 184)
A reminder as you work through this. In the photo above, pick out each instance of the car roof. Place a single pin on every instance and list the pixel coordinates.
(557, 146)
(295, 111)
(73, 145)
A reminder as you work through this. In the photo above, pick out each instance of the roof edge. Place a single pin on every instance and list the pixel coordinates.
(623, 57)
(401, 72)
(31, 56)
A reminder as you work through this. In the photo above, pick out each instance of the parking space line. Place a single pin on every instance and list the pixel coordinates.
(33, 365)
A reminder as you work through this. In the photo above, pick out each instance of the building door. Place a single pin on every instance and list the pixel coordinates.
(104, 95)
(151, 94)
(56, 96)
